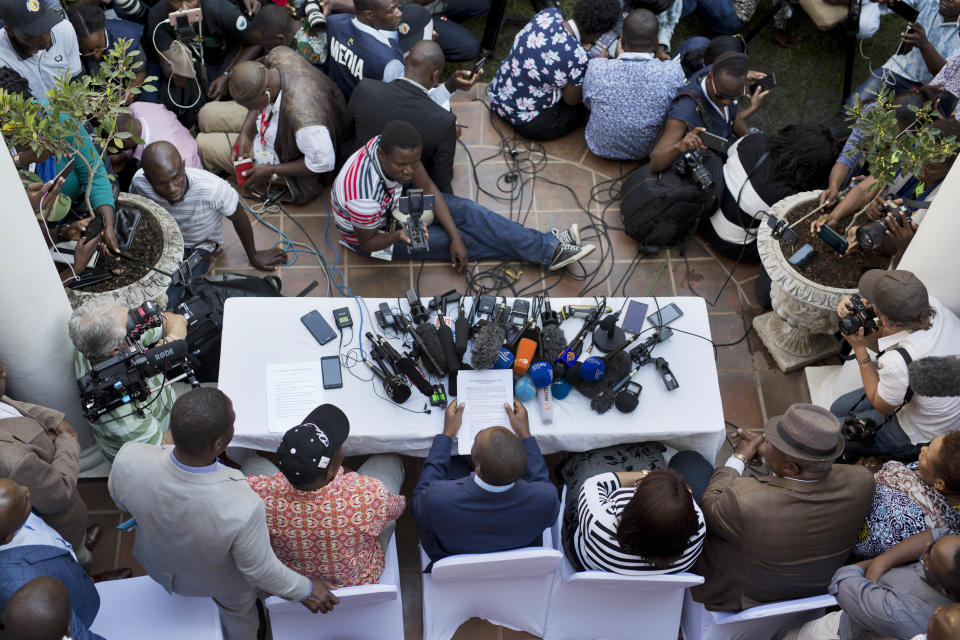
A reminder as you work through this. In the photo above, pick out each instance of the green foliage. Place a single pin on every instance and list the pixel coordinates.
(48, 124)
(887, 149)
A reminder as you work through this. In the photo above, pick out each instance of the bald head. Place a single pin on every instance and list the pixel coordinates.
(426, 55)
(161, 154)
(640, 30)
(39, 610)
(944, 623)
(14, 508)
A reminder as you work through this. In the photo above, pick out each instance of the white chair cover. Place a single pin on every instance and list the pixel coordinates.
(508, 588)
(619, 606)
(757, 622)
(140, 608)
(367, 612)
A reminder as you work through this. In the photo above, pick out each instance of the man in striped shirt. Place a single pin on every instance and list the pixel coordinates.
(370, 184)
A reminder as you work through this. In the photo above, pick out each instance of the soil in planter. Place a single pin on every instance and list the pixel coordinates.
(147, 245)
(826, 267)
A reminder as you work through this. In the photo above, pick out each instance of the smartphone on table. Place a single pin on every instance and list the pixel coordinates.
(330, 370)
(633, 320)
(318, 327)
(666, 315)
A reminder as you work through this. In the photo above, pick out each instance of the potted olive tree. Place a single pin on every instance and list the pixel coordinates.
(799, 331)
(48, 125)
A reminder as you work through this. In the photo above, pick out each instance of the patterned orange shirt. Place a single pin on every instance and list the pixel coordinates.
(331, 533)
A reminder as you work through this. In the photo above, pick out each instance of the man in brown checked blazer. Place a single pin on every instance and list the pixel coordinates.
(781, 536)
(40, 450)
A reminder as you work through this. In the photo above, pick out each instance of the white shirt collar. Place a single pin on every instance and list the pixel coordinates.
(575, 29)
(380, 34)
(725, 112)
(416, 84)
(8, 411)
(635, 55)
(492, 488)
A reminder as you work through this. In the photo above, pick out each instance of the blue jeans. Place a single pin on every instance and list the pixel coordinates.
(718, 14)
(487, 236)
(891, 81)
(889, 441)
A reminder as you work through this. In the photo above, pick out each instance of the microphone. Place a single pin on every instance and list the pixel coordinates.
(936, 376)
(407, 367)
(593, 368)
(541, 373)
(428, 345)
(546, 404)
(607, 334)
(160, 356)
(560, 389)
(570, 354)
(628, 398)
(525, 352)
(504, 359)
(397, 390)
(462, 327)
(487, 342)
(449, 349)
(524, 389)
(554, 341)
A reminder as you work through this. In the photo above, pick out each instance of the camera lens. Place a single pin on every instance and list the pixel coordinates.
(314, 15)
(871, 236)
(132, 8)
(849, 325)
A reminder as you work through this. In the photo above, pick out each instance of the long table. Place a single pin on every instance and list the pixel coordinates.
(261, 331)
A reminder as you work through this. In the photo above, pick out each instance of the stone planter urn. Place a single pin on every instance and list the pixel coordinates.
(799, 331)
(153, 285)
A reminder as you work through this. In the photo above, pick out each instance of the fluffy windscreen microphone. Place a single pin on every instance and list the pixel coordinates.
(938, 377)
(407, 367)
(395, 387)
(434, 359)
(602, 402)
(617, 367)
(628, 399)
(451, 360)
(462, 328)
(553, 340)
(487, 342)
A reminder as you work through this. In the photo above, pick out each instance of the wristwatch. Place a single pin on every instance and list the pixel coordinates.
(742, 458)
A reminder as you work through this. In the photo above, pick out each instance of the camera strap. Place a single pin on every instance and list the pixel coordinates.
(907, 359)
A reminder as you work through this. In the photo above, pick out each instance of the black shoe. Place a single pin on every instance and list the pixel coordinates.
(569, 253)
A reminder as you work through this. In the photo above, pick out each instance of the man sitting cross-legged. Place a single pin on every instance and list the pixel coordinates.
(369, 186)
(197, 200)
(506, 502)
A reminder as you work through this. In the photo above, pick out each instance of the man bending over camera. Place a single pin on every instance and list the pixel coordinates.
(886, 418)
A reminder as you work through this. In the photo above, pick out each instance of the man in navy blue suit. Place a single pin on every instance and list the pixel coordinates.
(506, 502)
(30, 548)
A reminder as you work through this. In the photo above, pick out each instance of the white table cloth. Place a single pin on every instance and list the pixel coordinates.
(262, 331)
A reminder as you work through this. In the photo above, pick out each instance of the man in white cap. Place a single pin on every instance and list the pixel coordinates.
(38, 43)
(885, 417)
(781, 536)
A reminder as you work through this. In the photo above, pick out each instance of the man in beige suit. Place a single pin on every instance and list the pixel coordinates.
(784, 535)
(201, 531)
(40, 450)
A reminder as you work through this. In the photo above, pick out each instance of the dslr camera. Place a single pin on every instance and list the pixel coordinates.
(871, 236)
(857, 429)
(313, 14)
(861, 316)
(690, 163)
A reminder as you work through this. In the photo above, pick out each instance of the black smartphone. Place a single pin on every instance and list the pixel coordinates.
(716, 143)
(666, 315)
(905, 11)
(66, 171)
(478, 65)
(521, 311)
(833, 239)
(633, 320)
(330, 370)
(318, 327)
(94, 228)
(802, 256)
(764, 84)
(947, 103)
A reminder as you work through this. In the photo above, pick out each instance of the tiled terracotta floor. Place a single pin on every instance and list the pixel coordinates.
(752, 387)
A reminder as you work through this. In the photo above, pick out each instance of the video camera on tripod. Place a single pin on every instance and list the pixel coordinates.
(125, 377)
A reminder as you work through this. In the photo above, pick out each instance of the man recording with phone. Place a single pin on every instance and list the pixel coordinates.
(925, 45)
(894, 317)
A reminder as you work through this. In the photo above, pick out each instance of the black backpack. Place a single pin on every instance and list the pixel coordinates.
(203, 308)
(664, 209)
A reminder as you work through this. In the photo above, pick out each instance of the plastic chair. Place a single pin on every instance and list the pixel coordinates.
(367, 612)
(757, 622)
(618, 605)
(140, 608)
(508, 588)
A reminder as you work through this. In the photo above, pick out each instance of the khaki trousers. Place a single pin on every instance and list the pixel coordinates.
(220, 124)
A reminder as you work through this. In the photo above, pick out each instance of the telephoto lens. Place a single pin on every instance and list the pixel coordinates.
(313, 12)
(870, 236)
(133, 9)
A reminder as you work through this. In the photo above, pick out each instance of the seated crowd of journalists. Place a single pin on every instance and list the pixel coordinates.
(861, 500)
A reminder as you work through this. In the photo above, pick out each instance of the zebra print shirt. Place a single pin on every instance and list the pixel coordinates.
(602, 500)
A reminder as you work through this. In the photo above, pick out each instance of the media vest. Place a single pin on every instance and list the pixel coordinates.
(355, 54)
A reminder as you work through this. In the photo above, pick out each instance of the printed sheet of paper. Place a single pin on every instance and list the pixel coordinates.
(485, 392)
(293, 391)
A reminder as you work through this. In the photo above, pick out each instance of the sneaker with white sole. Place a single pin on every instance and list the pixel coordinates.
(567, 253)
(570, 235)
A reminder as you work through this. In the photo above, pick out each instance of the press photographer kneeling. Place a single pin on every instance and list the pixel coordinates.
(896, 318)
(113, 348)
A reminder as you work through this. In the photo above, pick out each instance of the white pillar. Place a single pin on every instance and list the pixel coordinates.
(934, 253)
(34, 344)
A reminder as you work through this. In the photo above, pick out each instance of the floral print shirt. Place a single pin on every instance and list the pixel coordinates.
(331, 533)
(544, 59)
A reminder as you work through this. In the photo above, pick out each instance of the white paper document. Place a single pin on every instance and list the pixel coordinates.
(293, 391)
(484, 392)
